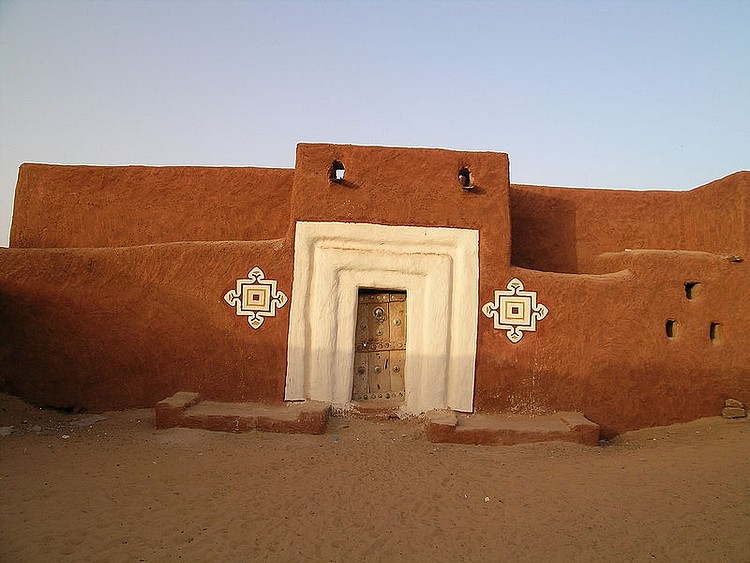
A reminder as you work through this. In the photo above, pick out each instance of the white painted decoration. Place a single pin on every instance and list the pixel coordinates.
(438, 268)
(515, 310)
(255, 298)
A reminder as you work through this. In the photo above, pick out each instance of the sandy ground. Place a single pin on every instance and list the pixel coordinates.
(113, 488)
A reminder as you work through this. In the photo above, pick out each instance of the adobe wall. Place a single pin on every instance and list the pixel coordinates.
(565, 229)
(610, 356)
(396, 186)
(603, 348)
(126, 327)
(107, 206)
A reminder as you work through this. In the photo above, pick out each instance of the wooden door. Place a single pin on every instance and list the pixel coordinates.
(380, 346)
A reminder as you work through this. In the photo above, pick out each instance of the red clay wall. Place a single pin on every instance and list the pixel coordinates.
(565, 229)
(109, 206)
(123, 327)
(127, 327)
(603, 348)
(396, 186)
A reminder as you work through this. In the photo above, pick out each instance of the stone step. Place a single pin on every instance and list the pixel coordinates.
(509, 429)
(374, 410)
(187, 410)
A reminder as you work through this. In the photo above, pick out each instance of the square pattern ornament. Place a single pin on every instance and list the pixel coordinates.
(515, 310)
(256, 298)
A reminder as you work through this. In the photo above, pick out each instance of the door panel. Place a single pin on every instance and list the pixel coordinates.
(380, 380)
(364, 327)
(396, 370)
(361, 367)
(397, 325)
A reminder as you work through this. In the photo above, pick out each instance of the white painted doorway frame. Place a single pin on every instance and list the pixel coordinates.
(439, 269)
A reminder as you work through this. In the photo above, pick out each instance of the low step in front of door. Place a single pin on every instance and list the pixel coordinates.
(509, 429)
(187, 410)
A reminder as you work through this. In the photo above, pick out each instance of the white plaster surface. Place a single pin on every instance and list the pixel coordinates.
(438, 268)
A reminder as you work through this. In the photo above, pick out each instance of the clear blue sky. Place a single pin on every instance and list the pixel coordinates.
(641, 94)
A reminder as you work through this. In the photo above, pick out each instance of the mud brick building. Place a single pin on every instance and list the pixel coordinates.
(416, 278)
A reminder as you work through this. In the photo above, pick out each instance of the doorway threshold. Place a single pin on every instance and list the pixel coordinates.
(375, 410)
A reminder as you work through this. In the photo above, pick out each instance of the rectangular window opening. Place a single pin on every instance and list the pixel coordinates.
(692, 288)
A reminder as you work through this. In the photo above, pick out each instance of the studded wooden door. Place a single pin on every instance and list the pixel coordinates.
(380, 346)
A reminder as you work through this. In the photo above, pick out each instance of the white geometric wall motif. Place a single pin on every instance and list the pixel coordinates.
(255, 298)
(515, 310)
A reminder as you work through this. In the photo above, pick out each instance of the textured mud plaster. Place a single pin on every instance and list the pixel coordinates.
(438, 268)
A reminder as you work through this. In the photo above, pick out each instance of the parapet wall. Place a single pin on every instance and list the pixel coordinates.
(113, 206)
(566, 229)
(394, 186)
